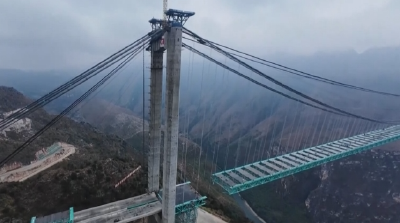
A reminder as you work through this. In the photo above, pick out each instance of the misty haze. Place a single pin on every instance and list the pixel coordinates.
(249, 111)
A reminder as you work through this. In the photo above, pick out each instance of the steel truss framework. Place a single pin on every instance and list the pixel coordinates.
(61, 217)
(188, 200)
(261, 172)
(190, 205)
(187, 216)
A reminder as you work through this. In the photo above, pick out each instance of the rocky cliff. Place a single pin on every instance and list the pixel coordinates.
(360, 188)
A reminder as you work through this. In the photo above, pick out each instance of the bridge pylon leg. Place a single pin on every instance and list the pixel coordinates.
(154, 154)
(174, 46)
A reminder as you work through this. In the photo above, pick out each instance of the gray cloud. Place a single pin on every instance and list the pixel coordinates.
(65, 34)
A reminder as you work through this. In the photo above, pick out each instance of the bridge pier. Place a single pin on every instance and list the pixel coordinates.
(174, 46)
(176, 19)
(175, 207)
(157, 51)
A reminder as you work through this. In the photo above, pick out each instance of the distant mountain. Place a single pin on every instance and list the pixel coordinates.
(110, 118)
(238, 122)
(360, 188)
(86, 178)
(244, 123)
(33, 83)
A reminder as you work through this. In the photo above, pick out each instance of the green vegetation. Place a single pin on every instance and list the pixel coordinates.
(284, 201)
(87, 178)
(219, 202)
(83, 184)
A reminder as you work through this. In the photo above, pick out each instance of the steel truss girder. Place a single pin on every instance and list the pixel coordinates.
(392, 135)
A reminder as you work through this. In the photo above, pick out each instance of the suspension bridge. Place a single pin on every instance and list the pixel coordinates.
(179, 202)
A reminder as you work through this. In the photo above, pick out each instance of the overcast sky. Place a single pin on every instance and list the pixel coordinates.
(74, 34)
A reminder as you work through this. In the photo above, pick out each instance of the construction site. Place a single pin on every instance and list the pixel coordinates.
(45, 158)
(165, 201)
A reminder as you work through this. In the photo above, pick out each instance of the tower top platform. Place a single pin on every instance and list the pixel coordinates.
(178, 16)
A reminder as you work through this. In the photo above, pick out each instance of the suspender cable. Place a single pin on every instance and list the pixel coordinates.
(116, 57)
(298, 72)
(205, 42)
(254, 81)
(69, 108)
(143, 107)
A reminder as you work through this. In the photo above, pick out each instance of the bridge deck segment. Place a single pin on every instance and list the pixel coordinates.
(261, 172)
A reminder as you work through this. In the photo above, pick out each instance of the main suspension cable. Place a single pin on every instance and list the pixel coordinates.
(69, 108)
(297, 72)
(116, 57)
(277, 82)
(336, 111)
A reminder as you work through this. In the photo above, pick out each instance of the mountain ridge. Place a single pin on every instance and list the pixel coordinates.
(86, 178)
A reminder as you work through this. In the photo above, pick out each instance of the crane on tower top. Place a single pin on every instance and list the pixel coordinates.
(165, 6)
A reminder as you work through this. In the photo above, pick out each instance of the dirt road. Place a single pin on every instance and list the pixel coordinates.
(30, 170)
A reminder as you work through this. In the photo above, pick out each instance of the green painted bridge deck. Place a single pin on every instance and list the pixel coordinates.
(131, 209)
(61, 217)
(261, 172)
